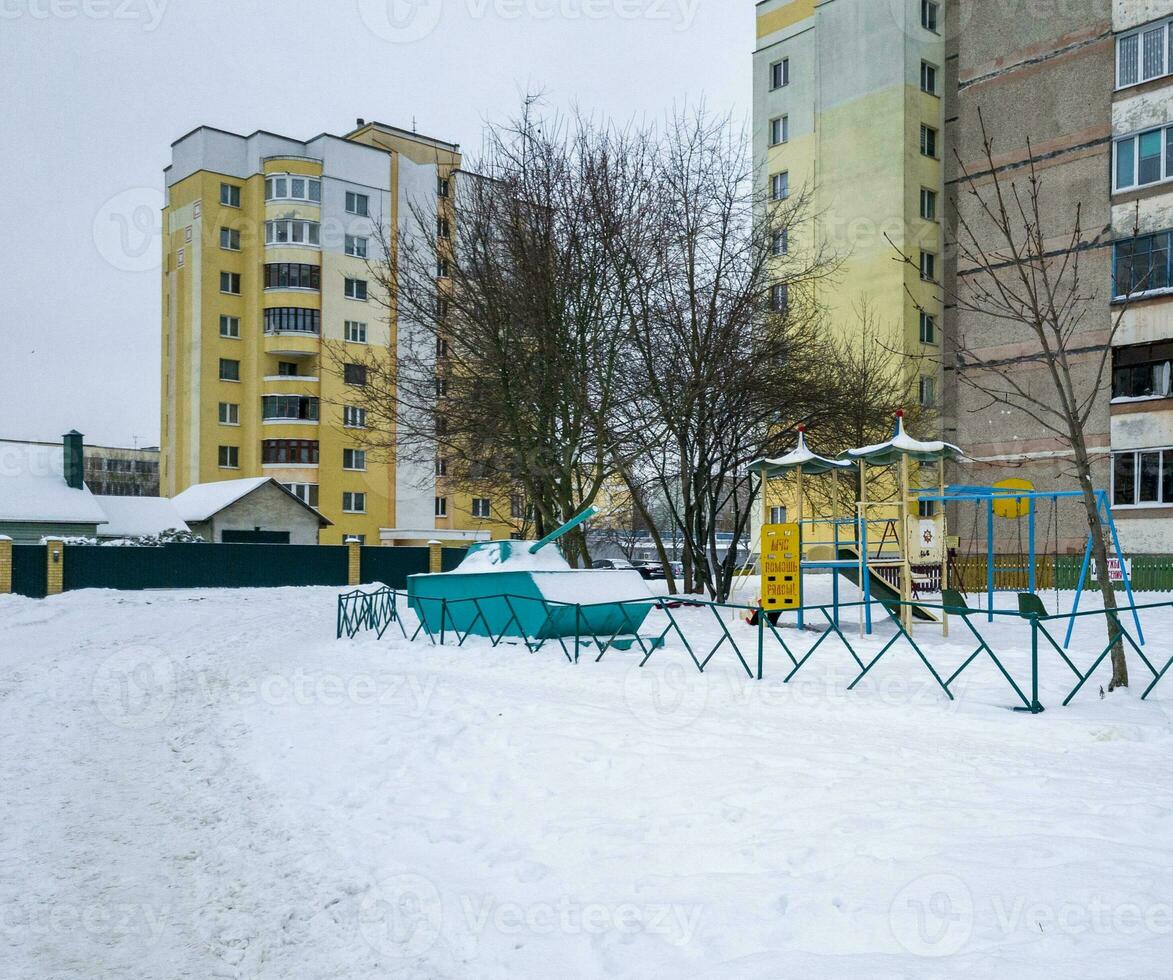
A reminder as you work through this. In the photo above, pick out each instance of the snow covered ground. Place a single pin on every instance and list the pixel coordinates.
(207, 784)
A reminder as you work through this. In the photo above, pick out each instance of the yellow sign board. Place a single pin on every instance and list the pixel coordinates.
(1012, 508)
(781, 566)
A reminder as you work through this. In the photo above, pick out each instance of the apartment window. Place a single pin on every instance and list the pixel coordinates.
(230, 283)
(229, 370)
(1144, 54)
(287, 369)
(230, 327)
(443, 228)
(928, 78)
(307, 493)
(779, 130)
(928, 204)
(356, 289)
(441, 506)
(930, 14)
(355, 374)
(777, 515)
(230, 195)
(230, 239)
(928, 329)
(780, 243)
(293, 231)
(229, 413)
(292, 275)
(443, 187)
(780, 186)
(354, 418)
(441, 387)
(517, 507)
(780, 74)
(482, 508)
(1142, 477)
(286, 187)
(780, 297)
(290, 408)
(1142, 371)
(441, 348)
(928, 267)
(354, 503)
(292, 319)
(357, 204)
(1145, 158)
(926, 508)
(1141, 264)
(354, 459)
(441, 268)
(928, 392)
(179, 257)
(356, 246)
(928, 141)
(229, 457)
(289, 452)
(441, 467)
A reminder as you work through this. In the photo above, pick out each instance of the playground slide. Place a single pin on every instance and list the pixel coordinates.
(880, 589)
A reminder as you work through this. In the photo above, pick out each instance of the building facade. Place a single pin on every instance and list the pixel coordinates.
(270, 310)
(848, 107)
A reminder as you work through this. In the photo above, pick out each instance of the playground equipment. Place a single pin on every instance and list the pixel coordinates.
(891, 570)
(1012, 500)
(528, 590)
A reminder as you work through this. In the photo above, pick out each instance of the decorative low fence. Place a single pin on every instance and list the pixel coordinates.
(767, 643)
(1149, 573)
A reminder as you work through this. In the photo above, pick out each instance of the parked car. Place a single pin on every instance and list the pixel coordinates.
(650, 570)
(615, 564)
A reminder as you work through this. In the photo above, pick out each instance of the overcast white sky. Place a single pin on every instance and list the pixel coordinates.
(93, 92)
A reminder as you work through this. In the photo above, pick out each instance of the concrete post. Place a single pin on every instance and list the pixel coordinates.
(435, 557)
(354, 561)
(55, 566)
(5, 564)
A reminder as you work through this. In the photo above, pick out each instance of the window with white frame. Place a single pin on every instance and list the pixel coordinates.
(928, 266)
(928, 141)
(442, 268)
(1142, 478)
(443, 187)
(777, 515)
(928, 204)
(780, 244)
(441, 467)
(229, 369)
(230, 283)
(780, 74)
(229, 413)
(307, 493)
(443, 228)
(482, 508)
(230, 239)
(230, 195)
(354, 459)
(930, 15)
(355, 332)
(292, 187)
(441, 506)
(928, 392)
(229, 457)
(779, 130)
(356, 246)
(230, 327)
(354, 417)
(780, 297)
(293, 231)
(1143, 158)
(780, 186)
(1144, 54)
(928, 328)
(359, 204)
(356, 289)
(517, 507)
(354, 503)
(928, 78)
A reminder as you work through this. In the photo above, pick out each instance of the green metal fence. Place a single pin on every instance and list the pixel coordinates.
(391, 566)
(30, 573)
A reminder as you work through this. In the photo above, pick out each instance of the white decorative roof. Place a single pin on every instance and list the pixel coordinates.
(902, 444)
(800, 458)
(33, 487)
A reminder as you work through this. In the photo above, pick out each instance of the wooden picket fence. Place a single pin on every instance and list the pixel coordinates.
(1150, 573)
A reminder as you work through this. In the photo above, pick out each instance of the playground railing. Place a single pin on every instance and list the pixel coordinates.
(753, 649)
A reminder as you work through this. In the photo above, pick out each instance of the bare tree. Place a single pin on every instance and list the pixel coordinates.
(1013, 270)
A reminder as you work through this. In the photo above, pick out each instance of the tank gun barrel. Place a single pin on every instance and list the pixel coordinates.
(565, 529)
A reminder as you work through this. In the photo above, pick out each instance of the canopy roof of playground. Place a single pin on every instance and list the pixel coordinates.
(798, 459)
(902, 444)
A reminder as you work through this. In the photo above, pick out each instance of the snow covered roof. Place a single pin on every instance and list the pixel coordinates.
(902, 444)
(799, 458)
(33, 487)
(204, 500)
(130, 517)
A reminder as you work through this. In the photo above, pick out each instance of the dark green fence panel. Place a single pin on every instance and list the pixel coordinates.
(29, 573)
(391, 566)
(194, 566)
(451, 557)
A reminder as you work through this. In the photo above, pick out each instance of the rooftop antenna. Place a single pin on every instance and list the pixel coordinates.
(413, 124)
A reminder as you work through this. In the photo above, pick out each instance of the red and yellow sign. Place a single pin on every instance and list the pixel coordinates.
(781, 567)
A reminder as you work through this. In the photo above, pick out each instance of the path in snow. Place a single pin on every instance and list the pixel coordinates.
(207, 784)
